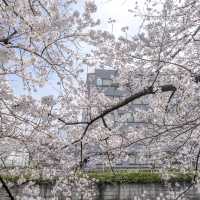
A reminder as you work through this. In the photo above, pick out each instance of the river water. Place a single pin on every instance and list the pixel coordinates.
(118, 192)
(147, 192)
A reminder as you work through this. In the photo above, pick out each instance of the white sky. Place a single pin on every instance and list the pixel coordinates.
(118, 10)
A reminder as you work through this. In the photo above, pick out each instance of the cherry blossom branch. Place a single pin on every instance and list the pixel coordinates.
(6, 188)
(67, 123)
(105, 124)
(187, 42)
(17, 15)
(194, 178)
(8, 38)
(144, 92)
(163, 61)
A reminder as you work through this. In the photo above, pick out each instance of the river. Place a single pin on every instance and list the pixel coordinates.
(117, 192)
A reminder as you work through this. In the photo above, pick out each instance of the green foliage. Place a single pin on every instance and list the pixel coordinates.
(27, 178)
(129, 176)
(138, 177)
(126, 177)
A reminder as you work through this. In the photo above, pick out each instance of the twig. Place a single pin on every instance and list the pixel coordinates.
(194, 178)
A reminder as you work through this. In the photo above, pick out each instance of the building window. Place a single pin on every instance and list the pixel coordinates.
(99, 82)
(130, 118)
(107, 82)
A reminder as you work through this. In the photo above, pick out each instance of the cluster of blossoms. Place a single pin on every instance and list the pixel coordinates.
(41, 40)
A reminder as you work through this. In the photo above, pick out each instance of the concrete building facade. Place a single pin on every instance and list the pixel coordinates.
(105, 82)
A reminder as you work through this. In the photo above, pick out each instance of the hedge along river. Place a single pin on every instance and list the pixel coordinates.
(115, 192)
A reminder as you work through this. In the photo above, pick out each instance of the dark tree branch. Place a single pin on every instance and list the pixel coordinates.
(194, 177)
(172, 94)
(6, 188)
(17, 15)
(31, 7)
(67, 123)
(105, 124)
(144, 92)
(109, 160)
(8, 38)
(186, 43)
(164, 62)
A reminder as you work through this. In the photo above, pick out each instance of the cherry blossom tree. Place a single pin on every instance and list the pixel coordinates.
(38, 40)
(158, 67)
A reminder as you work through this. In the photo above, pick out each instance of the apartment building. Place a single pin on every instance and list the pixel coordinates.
(104, 81)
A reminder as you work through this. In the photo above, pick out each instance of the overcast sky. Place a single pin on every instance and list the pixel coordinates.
(117, 10)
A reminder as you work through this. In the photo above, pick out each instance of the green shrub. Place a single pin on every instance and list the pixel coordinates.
(138, 177)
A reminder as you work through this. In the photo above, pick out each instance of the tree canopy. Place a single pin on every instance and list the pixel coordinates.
(57, 39)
